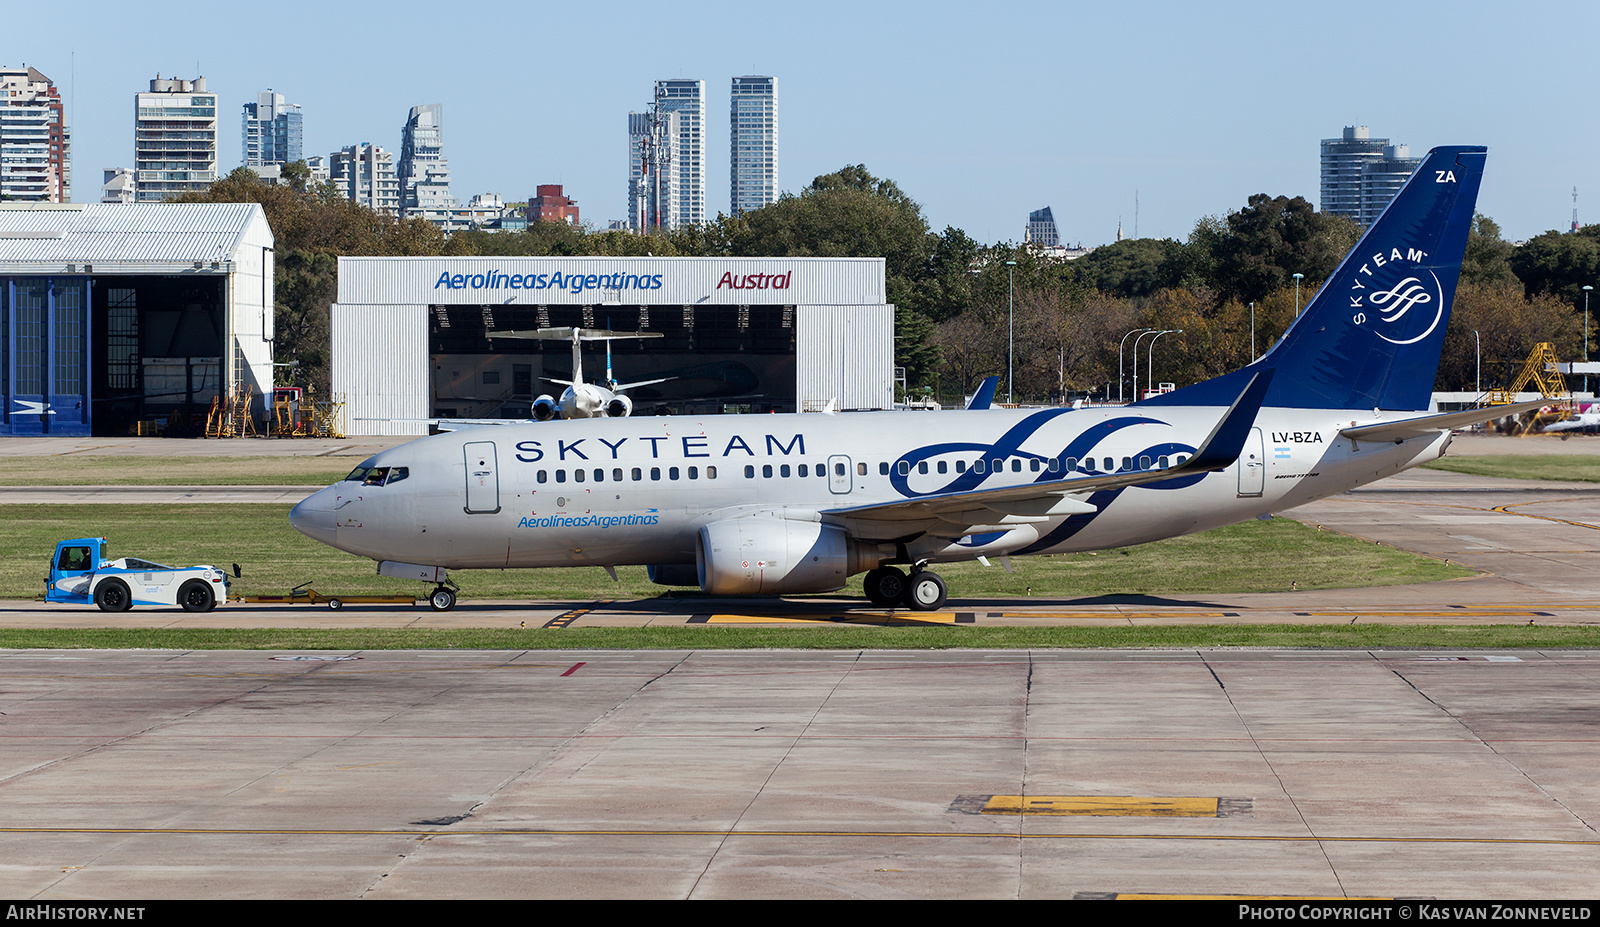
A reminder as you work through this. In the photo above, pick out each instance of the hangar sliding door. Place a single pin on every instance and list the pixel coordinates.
(46, 333)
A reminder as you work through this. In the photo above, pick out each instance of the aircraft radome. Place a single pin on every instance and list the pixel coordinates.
(781, 504)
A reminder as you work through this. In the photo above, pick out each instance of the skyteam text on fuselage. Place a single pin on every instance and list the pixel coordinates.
(778, 504)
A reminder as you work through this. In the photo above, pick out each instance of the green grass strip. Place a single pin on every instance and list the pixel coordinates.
(1359, 636)
(1560, 467)
(135, 470)
(1256, 556)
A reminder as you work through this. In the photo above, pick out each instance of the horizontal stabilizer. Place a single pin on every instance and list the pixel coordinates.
(1414, 427)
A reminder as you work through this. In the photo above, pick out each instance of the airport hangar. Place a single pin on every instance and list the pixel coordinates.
(411, 335)
(112, 314)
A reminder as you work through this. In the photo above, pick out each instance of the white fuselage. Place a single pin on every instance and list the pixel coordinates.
(637, 490)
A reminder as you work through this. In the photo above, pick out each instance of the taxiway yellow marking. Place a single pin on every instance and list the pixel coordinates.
(1102, 806)
(1507, 510)
(851, 618)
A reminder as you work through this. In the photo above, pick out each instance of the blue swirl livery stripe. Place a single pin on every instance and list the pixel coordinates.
(1102, 500)
(1007, 445)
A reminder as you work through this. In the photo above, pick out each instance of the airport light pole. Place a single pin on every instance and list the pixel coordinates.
(1150, 380)
(1479, 341)
(1011, 321)
(1586, 289)
(1297, 294)
(1120, 376)
(1148, 331)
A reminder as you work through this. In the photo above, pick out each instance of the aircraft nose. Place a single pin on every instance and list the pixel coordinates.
(313, 517)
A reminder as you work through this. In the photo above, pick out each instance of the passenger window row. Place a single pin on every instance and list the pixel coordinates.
(636, 474)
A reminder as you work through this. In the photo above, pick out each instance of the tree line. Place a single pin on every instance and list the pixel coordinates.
(1228, 286)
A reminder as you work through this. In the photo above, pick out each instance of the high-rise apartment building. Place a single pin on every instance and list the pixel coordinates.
(1342, 162)
(687, 98)
(365, 174)
(273, 133)
(1042, 229)
(174, 138)
(653, 178)
(1382, 179)
(752, 143)
(1361, 174)
(424, 172)
(35, 144)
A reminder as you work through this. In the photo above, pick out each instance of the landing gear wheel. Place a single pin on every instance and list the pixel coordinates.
(442, 599)
(335, 604)
(113, 596)
(196, 596)
(885, 587)
(924, 591)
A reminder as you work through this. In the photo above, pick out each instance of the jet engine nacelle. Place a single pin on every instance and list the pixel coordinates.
(545, 408)
(619, 407)
(763, 555)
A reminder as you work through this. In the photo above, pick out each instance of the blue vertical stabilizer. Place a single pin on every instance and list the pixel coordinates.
(1371, 338)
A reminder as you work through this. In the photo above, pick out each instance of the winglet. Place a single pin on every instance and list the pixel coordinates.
(984, 396)
(1222, 447)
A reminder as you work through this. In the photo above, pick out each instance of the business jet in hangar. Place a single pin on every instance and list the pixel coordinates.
(580, 399)
(782, 504)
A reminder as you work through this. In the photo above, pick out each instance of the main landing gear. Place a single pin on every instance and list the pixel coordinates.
(887, 587)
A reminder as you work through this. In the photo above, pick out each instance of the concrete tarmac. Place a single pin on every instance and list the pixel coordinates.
(1047, 774)
(968, 774)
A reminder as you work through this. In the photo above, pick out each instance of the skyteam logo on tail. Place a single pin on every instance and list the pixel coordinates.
(1399, 300)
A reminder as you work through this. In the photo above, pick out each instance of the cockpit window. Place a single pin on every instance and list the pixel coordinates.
(377, 476)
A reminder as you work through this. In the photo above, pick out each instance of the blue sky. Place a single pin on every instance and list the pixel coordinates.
(981, 112)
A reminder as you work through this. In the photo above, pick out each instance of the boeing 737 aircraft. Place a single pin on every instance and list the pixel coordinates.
(780, 504)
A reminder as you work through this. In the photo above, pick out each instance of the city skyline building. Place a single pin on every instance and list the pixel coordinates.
(35, 143)
(687, 99)
(365, 174)
(752, 143)
(1343, 160)
(550, 204)
(174, 139)
(119, 186)
(424, 171)
(1381, 180)
(273, 131)
(1041, 229)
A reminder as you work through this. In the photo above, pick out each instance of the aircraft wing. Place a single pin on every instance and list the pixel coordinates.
(1404, 428)
(565, 333)
(1040, 500)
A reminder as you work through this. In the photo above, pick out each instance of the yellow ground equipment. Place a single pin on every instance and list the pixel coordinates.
(1539, 371)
